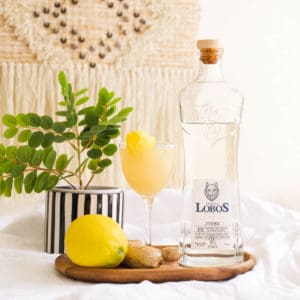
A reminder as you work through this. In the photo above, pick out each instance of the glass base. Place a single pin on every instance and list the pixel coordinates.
(210, 260)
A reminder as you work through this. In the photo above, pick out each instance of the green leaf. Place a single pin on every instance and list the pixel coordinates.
(116, 120)
(48, 140)
(110, 149)
(23, 120)
(52, 182)
(61, 113)
(83, 91)
(125, 112)
(11, 152)
(36, 139)
(41, 182)
(86, 109)
(10, 132)
(111, 133)
(24, 154)
(94, 153)
(9, 120)
(50, 159)
(29, 181)
(93, 164)
(62, 79)
(86, 135)
(97, 129)
(48, 150)
(24, 135)
(37, 158)
(8, 186)
(62, 103)
(59, 139)
(18, 183)
(91, 118)
(110, 111)
(2, 150)
(102, 140)
(2, 184)
(114, 101)
(6, 166)
(98, 171)
(58, 127)
(104, 163)
(103, 96)
(61, 162)
(17, 170)
(82, 100)
(46, 122)
(71, 120)
(35, 120)
(69, 135)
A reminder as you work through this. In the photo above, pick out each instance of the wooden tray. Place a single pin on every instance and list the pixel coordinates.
(166, 272)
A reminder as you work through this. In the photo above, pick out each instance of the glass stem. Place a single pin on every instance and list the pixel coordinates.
(148, 209)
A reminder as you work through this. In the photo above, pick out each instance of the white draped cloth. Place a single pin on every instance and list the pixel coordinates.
(271, 233)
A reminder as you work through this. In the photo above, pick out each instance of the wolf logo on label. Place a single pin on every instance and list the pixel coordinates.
(211, 191)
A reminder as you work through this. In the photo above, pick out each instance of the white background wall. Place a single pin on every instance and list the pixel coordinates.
(262, 56)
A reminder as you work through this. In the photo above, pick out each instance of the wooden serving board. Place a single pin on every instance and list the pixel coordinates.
(166, 272)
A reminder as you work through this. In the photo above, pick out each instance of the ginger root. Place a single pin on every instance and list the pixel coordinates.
(170, 254)
(140, 256)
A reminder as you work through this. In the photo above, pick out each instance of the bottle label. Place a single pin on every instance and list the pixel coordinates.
(212, 215)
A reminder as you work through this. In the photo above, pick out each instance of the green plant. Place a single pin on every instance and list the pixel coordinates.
(34, 165)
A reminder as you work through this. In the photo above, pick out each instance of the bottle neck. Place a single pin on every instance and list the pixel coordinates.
(210, 68)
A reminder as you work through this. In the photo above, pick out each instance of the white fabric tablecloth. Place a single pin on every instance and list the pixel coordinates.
(271, 233)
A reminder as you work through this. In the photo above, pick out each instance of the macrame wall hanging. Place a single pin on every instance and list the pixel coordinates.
(141, 49)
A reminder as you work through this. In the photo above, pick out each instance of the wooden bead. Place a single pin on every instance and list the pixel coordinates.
(81, 55)
(73, 31)
(81, 39)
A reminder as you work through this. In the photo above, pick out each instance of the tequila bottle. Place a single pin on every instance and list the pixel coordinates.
(210, 116)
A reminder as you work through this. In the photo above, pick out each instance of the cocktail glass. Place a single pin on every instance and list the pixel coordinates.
(147, 172)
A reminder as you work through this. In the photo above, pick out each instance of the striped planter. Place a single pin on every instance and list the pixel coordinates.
(63, 205)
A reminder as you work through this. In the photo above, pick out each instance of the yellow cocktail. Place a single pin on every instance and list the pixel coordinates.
(147, 167)
(147, 172)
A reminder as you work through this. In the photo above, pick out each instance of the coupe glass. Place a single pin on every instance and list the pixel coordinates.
(147, 172)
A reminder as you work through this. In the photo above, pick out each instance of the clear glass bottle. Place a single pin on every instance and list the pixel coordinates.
(210, 116)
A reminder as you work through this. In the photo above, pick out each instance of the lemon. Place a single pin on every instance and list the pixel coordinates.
(137, 141)
(95, 241)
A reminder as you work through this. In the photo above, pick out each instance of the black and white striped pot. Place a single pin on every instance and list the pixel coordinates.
(63, 205)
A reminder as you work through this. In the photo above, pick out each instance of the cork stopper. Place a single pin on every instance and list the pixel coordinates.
(211, 51)
(202, 44)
